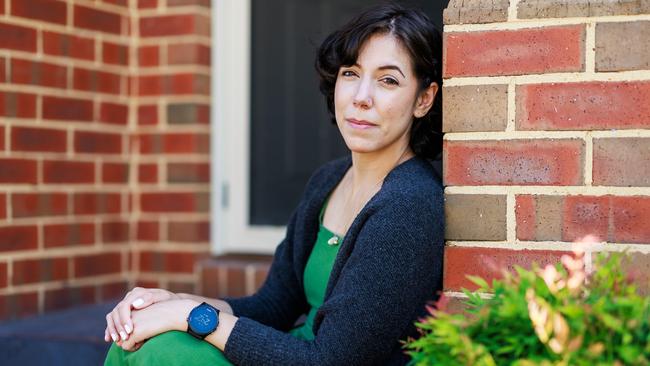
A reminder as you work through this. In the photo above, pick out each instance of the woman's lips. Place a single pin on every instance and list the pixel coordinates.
(359, 124)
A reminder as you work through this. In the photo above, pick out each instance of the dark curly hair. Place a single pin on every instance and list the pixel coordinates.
(422, 40)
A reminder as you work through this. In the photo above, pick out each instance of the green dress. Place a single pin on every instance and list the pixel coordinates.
(176, 347)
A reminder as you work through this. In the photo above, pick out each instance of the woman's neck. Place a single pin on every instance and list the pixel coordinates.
(370, 168)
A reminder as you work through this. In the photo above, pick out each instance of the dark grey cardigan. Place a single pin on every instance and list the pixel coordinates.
(388, 266)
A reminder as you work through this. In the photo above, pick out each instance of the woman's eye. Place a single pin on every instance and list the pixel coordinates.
(389, 81)
(347, 73)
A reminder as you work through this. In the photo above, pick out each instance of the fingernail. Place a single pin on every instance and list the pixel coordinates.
(123, 335)
(128, 328)
(106, 337)
(114, 336)
(137, 303)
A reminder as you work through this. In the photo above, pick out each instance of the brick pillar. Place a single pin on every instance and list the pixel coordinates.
(64, 165)
(547, 121)
(170, 145)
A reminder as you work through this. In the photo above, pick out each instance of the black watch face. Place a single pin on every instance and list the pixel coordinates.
(203, 319)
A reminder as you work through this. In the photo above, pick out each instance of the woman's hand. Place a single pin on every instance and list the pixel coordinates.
(118, 322)
(156, 319)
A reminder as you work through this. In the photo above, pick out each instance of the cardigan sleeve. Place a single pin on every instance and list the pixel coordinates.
(280, 300)
(392, 271)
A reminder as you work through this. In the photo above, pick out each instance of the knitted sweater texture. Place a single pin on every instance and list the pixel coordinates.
(388, 267)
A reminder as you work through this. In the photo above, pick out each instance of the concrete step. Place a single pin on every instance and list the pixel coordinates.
(70, 337)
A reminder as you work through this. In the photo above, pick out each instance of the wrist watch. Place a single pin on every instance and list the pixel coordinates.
(203, 320)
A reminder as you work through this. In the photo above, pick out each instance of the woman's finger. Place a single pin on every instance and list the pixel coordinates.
(111, 327)
(118, 323)
(124, 309)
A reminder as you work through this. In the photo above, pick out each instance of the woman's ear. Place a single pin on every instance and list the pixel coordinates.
(425, 100)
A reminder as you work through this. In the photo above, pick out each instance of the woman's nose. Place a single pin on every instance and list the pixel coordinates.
(363, 98)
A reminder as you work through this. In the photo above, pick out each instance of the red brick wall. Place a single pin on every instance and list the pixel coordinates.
(104, 166)
(547, 121)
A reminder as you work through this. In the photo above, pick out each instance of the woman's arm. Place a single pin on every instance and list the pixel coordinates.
(223, 306)
(394, 268)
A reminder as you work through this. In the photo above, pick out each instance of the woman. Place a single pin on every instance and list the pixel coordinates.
(363, 250)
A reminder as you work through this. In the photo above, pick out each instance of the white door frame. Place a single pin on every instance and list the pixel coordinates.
(230, 135)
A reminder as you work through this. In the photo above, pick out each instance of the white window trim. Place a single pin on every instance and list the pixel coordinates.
(230, 135)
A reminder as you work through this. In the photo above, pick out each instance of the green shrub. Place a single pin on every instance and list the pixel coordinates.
(560, 315)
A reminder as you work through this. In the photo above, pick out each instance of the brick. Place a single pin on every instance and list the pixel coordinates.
(19, 105)
(147, 115)
(68, 45)
(67, 109)
(97, 264)
(175, 202)
(2, 137)
(97, 20)
(176, 84)
(539, 217)
(181, 287)
(188, 173)
(617, 51)
(3, 275)
(205, 3)
(583, 106)
(115, 232)
(68, 172)
(191, 232)
(17, 171)
(475, 12)
(169, 262)
(621, 162)
(527, 9)
(188, 54)
(17, 38)
(148, 231)
(188, 113)
(114, 113)
(13, 238)
(226, 275)
(2, 7)
(148, 173)
(148, 56)
(174, 143)
(69, 235)
(39, 270)
(3, 69)
(15, 306)
(489, 263)
(514, 162)
(112, 291)
(515, 52)
(147, 4)
(115, 173)
(97, 203)
(53, 11)
(3, 206)
(97, 81)
(97, 142)
(174, 25)
(475, 217)
(68, 297)
(116, 54)
(488, 112)
(38, 139)
(630, 218)
(38, 73)
(585, 215)
(39, 204)
(637, 267)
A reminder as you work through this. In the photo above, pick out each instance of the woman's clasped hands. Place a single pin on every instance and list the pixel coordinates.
(144, 313)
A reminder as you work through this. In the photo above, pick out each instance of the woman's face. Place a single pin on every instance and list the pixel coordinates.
(376, 99)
